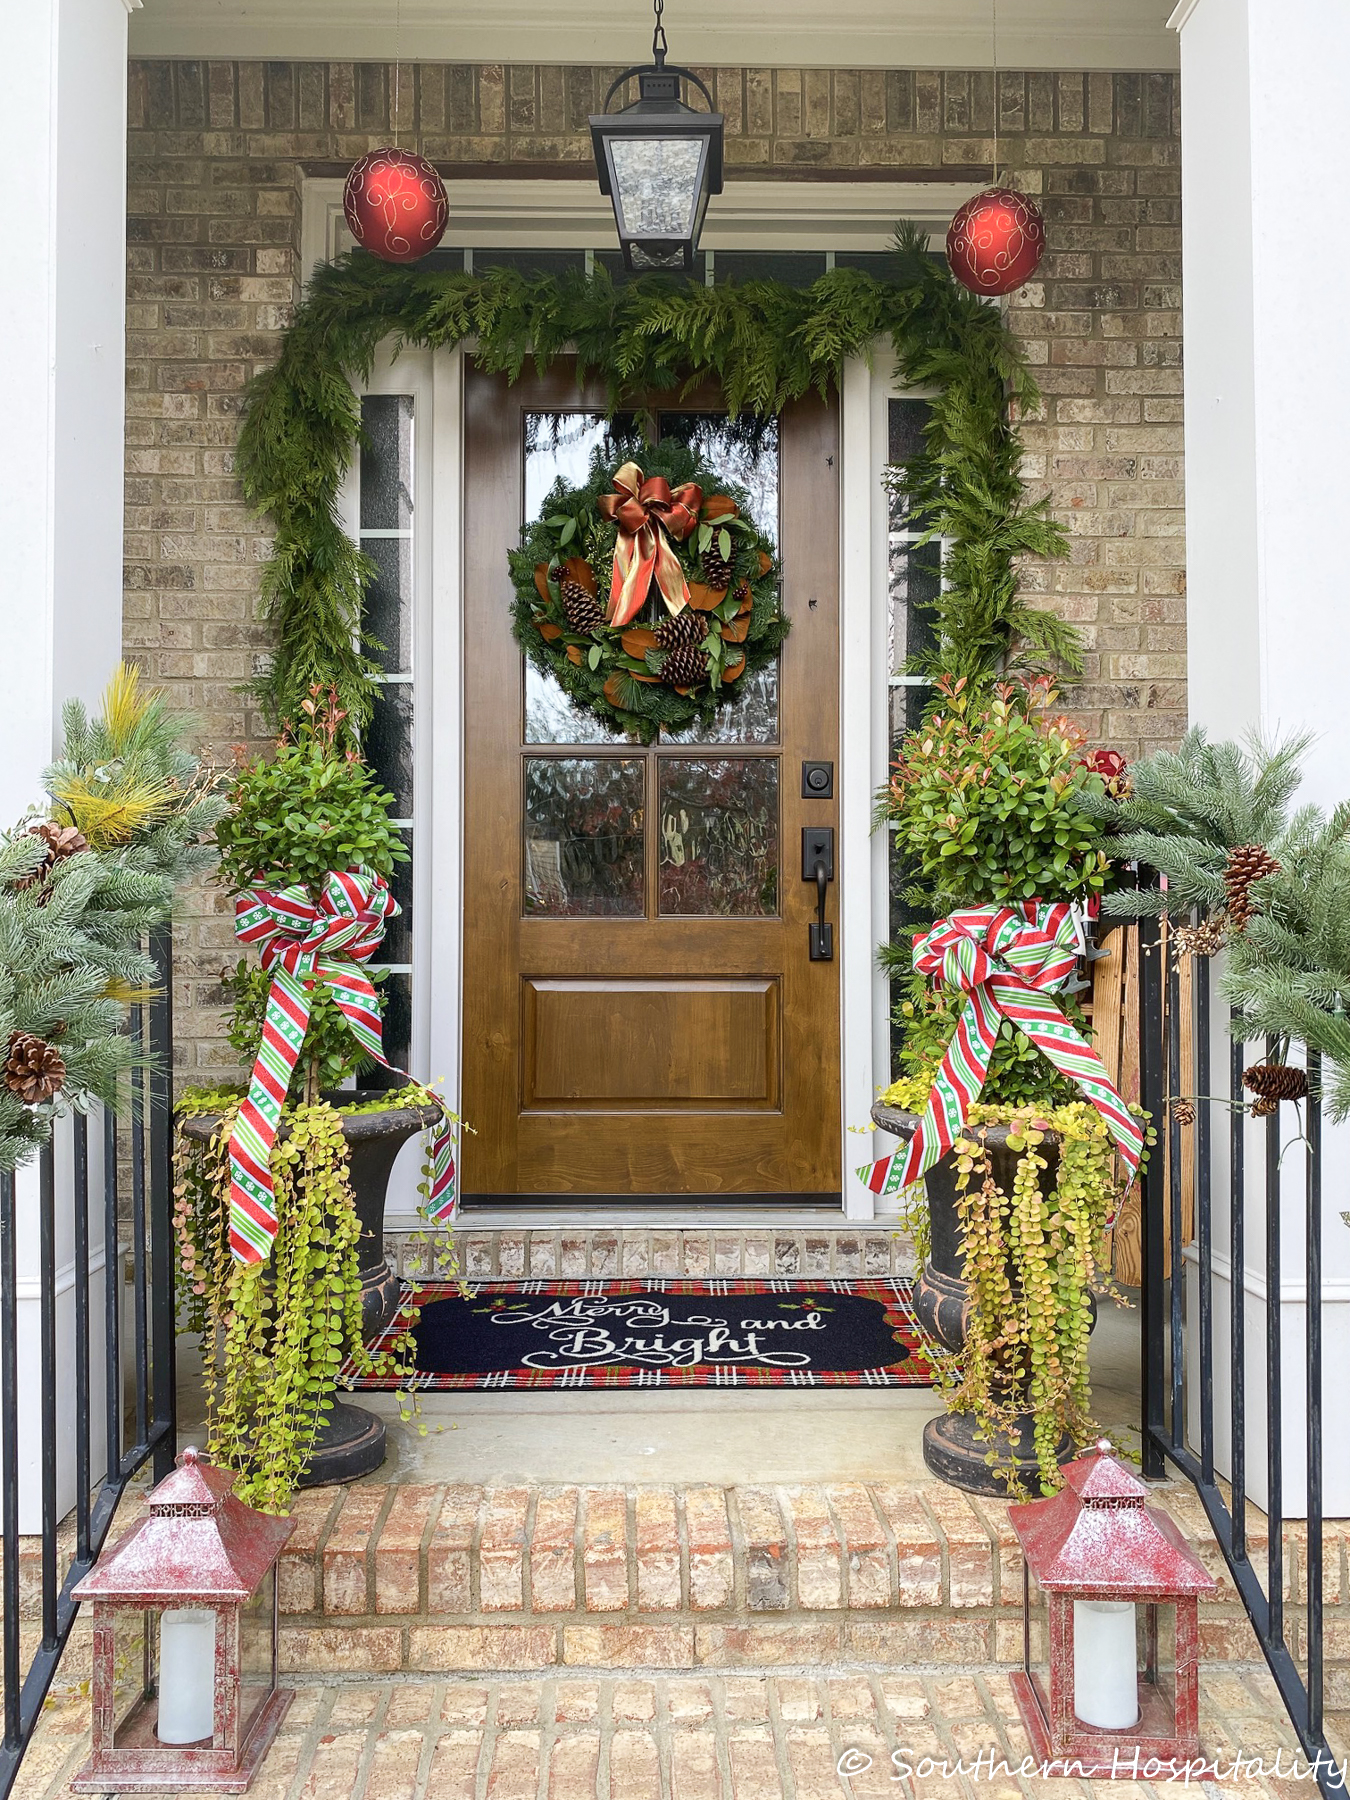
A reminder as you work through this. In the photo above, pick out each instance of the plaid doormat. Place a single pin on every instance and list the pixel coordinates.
(732, 1333)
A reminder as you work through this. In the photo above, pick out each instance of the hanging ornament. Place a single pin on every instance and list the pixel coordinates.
(395, 204)
(996, 241)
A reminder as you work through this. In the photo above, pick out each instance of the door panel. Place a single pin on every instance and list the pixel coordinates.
(641, 1015)
(665, 1044)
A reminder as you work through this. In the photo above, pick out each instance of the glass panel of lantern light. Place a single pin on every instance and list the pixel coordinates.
(657, 181)
(187, 1675)
(1158, 1648)
(257, 1669)
(135, 1660)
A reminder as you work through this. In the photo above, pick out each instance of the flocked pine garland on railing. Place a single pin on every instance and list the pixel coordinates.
(766, 343)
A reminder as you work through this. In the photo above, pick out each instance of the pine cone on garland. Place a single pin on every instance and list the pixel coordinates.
(1181, 1112)
(1271, 1083)
(686, 666)
(717, 568)
(1246, 863)
(582, 609)
(61, 841)
(685, 627)
(34, 1069)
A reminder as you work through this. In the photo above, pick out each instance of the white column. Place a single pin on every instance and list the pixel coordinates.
(1264, 121)
(62, 298)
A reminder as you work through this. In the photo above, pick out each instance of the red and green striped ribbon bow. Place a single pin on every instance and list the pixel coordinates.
(303, 941)
(1008, 961)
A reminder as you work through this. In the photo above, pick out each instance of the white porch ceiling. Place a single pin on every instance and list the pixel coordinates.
(923, 34)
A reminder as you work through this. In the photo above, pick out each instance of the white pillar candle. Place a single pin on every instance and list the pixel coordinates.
(187, 1675)
(1105, 1671)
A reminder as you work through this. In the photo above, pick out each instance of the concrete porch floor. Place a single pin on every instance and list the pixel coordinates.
(725, 1437)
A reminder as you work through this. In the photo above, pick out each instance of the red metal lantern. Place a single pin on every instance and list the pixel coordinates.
(1098, 1553)
(185, 1642)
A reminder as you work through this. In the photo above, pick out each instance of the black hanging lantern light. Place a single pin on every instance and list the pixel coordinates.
(658, 161)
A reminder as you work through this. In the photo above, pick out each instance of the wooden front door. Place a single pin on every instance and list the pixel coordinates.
(641, 1016)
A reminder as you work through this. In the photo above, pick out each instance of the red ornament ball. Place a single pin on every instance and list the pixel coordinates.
(395, 205)
(996, 241)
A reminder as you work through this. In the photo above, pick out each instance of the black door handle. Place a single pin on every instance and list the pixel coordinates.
(818, 866)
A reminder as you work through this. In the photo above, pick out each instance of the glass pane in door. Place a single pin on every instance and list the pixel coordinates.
(584, 837)
(718, 855)
(746, 448)
(559, 446)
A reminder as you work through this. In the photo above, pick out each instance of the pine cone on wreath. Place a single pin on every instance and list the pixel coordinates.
(685, 627)
(717, 568)
(1271, 1083)
(582, 609)
(686, 666)
(1246, 863)
(34, 1069)
(1181, 1112)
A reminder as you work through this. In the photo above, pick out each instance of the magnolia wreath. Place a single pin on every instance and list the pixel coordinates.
(650, 593)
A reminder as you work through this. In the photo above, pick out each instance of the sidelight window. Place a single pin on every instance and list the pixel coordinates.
(386, 537)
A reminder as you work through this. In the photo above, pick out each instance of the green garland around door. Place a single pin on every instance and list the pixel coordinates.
(650, 593)
(766, 343)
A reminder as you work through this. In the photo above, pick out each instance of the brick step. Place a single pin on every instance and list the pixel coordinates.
(818, 1734)
(390, 1577)
(554, 1251)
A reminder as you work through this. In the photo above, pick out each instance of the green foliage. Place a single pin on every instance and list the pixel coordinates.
(1288, 971)
(966, 487)
(331, 1051)
(595, 668)
(308, 811)
(986, 796)
(1187, 808)
(277, 1333)
(314, 808)
(1018, 1074)
(767, 344)
(1031, 1259)
(71, 930)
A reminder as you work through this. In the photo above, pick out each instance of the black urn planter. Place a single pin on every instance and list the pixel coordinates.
(952, 1448)
(351, 1442)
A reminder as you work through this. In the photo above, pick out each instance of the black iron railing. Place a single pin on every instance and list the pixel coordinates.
(1233, 1195)
(135, 1369)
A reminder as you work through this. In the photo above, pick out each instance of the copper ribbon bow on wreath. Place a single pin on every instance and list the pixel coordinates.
(1008, 961)
(648, 516)
(304, 942)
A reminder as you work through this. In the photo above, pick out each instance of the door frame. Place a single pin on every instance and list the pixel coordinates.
(435, 380)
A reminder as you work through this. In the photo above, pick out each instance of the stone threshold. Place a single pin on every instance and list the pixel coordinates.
(437, 1579)
(562, 1250)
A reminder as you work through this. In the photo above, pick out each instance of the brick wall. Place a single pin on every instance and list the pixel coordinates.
(217, 154)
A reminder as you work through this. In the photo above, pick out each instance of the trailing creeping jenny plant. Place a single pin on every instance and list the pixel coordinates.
(992, 802)
(279, 1331)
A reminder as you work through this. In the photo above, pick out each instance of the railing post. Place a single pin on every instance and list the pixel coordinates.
(1152, 1314)
(163, 1321)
